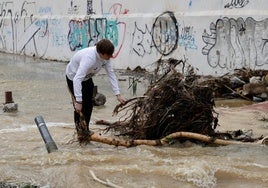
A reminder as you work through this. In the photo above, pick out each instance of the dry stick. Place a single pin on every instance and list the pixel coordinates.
(82, 118)
(121, 105)
(164, 141)
(107, 182)
(237, 93)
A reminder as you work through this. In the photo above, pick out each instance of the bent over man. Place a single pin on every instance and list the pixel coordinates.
(79, 72)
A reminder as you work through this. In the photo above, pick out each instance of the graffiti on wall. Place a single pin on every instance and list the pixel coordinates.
(165, 35)
(187, 37)
(230, 4)
(229, 42)
(190, 3)
(73, 8)
(34, 30)
(236, 4)
(84, 33)
(89, 7)
(142, 40)
(235, 43)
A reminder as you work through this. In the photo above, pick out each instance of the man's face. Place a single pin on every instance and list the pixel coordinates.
(105, 56)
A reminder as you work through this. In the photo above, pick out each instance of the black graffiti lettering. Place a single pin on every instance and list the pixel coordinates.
(236, 4)
(265, 41)
(242, 30)
(165, 33)
(236, 43)
(141, 41)
(89, 7)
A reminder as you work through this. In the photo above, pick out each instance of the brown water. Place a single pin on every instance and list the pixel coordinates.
(39, 88)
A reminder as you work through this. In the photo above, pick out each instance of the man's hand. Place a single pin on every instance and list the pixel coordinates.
(78, 106)
(120, 99)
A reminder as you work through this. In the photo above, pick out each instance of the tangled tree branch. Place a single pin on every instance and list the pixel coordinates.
(176, 105)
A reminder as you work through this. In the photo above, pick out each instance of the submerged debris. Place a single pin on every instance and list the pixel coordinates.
(17, 185)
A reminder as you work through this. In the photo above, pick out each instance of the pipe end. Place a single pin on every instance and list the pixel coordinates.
(51, 147)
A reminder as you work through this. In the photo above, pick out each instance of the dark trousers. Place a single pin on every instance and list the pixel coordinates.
(87, 95)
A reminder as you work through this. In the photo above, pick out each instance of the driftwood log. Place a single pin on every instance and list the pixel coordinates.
(169, 139)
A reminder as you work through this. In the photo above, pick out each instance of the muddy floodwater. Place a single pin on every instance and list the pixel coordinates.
(39, 88)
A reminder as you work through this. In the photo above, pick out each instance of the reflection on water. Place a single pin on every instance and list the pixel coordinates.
(39, 89)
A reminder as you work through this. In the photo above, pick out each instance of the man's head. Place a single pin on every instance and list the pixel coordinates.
(105, 48)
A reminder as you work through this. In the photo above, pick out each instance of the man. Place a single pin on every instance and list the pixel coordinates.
(79, 72)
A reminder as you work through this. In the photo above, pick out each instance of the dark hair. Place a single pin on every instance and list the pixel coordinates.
(105, 46)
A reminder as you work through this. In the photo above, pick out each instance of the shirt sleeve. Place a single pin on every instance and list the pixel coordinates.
(112, 78)
(80, 75)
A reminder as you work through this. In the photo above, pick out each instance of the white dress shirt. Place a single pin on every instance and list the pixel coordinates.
(86, 63)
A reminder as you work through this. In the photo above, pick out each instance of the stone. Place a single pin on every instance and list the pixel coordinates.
(10, 107)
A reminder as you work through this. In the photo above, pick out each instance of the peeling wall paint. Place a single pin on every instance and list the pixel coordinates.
(215, 36)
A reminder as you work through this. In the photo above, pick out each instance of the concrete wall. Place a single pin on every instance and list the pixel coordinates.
(215, 36)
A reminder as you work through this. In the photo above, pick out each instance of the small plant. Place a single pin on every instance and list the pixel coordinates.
(133, 82)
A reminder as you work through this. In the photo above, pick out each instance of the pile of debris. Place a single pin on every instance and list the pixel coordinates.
(243, 83)
(174, 102)
(179, 104)
(184, 101)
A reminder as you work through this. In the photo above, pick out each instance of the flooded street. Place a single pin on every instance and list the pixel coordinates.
(39, 88)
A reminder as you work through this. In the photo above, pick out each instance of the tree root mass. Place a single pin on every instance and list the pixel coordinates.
(176, 101)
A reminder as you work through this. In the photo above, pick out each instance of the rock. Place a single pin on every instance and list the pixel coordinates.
(10, 107)
(236, 82)
(254, 89)
(265, 79)
(99, 99)
(255, 80)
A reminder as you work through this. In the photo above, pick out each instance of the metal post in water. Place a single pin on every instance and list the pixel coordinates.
(9, 105)
(8, 96)
(50, 144)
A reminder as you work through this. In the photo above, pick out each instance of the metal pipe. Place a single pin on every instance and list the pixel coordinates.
(8, 96)
(50, 144)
